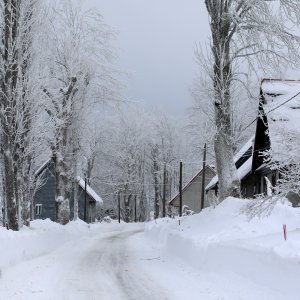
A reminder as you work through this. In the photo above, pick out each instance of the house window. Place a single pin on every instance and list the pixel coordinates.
(38, 209)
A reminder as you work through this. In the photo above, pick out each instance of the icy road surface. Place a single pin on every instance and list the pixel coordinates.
(122, 263)
(93, 268)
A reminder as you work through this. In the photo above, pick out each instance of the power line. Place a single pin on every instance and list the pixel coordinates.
(273, 109)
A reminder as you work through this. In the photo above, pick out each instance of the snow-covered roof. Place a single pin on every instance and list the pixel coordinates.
(81, 182)
(211, 167)
(244, 169)
(42, 167)
(282, 107)
(89, 190)
(212, 183)
(244, 149)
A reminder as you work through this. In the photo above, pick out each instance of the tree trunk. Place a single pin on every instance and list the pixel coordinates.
(75, 186)
(63, 153)
(229, 183)
(10, 197)
(127, 200)
(8, 106)
(25, 207)
(143, 208)
(63, 191)
(75, 191)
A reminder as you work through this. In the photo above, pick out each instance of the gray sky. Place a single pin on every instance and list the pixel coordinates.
(156, 42)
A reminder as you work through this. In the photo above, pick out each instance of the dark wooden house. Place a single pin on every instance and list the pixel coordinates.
(45, 205)
(191, 193)
(278, 119)
(243, 162)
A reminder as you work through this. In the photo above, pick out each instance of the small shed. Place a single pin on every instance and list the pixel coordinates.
(191, 193)
(45, 205)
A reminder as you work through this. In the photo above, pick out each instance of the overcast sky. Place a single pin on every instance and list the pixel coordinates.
(156, 41)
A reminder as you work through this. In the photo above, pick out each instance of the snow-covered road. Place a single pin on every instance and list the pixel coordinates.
(96, 266)
(122, 262)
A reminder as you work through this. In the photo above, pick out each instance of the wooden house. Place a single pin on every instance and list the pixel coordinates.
(243, 162)
(45, 205)
(278, 119)
(191, 193)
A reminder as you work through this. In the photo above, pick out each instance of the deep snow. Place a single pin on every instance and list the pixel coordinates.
(217, 254)
(246, 259)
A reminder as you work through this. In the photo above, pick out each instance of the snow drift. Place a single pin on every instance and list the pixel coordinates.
(228, 224)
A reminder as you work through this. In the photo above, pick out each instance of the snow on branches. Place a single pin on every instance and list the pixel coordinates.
(259, 34)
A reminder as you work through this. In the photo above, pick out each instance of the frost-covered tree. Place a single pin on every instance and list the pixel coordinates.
(256, 31)
(244, 103)
(125, 164)
(78, 52)
(285, 160)
(164, 155)
(18, 109)
(130, 132)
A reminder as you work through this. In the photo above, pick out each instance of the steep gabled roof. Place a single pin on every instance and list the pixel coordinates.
(89, 190)
(42, 168)
(281, 105)
(191, 181)
(278, 124)
(242, 160)
(80, 181)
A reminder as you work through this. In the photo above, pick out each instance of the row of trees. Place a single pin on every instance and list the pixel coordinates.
(57, 78)
(55, 68)
(133, 151)
(18, 110)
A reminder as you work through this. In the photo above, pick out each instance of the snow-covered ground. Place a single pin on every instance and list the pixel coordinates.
(218, 254)
(50, 261)
(231, 256)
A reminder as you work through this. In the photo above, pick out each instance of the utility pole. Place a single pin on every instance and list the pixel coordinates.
(85, 212)
(180, 189)
(164, 191)
(3, 216)
(135, 209)
(203, 178)
(119, 206)
(156, 182)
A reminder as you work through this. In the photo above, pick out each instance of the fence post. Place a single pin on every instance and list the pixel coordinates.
(284, 232)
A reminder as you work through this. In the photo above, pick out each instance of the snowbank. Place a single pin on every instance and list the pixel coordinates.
(42, 237)
(221, 254)
(226, 225)
(244, 259)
